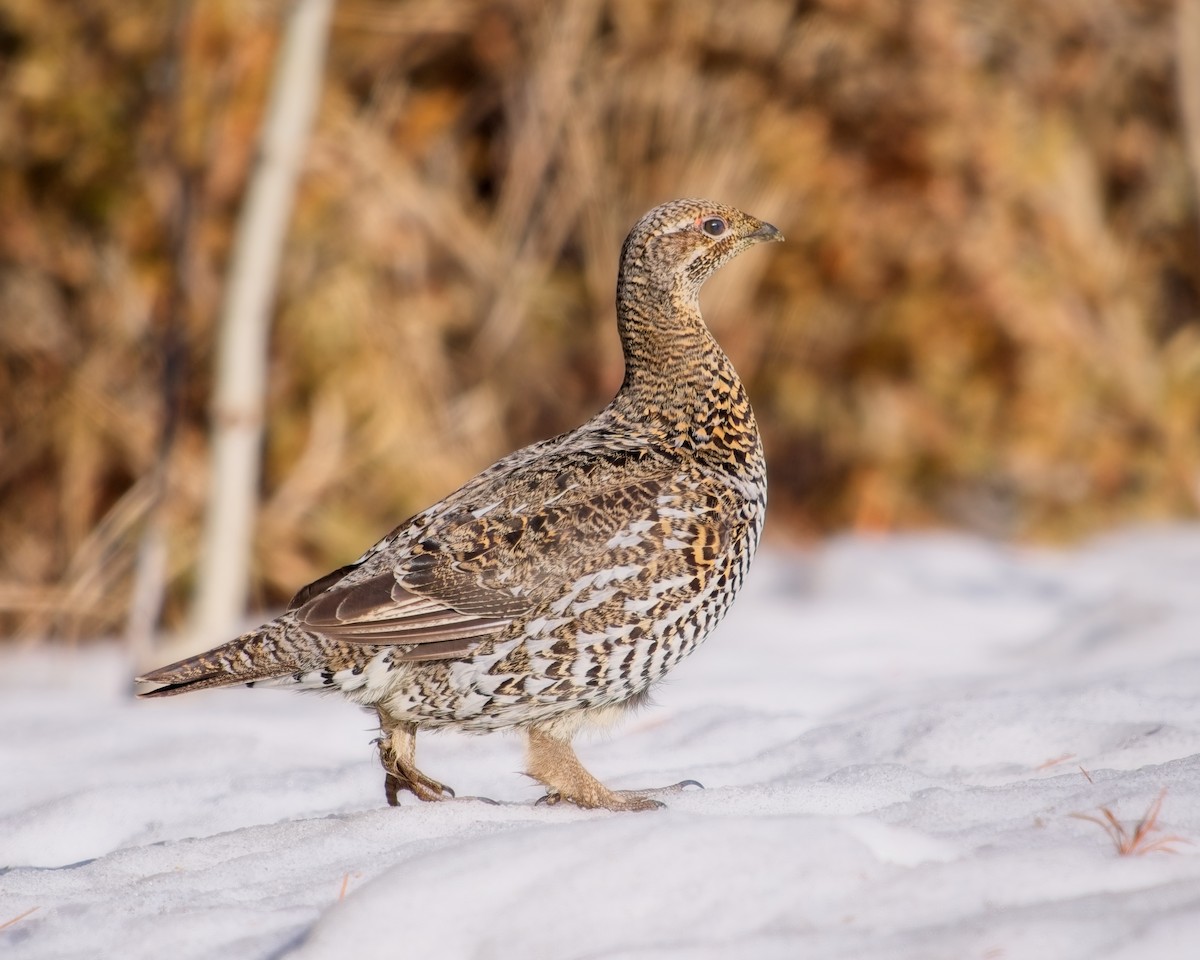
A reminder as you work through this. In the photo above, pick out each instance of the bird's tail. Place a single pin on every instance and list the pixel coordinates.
(251, 657)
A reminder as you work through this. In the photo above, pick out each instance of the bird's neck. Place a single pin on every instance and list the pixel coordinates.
(678, 380)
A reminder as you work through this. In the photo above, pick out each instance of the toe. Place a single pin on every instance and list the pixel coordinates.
(641, 803)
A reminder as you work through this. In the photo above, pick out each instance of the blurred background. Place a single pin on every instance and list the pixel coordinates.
(986, 316)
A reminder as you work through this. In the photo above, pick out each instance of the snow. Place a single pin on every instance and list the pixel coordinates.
(893, 735)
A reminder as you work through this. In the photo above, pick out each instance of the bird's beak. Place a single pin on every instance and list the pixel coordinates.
(765, 232)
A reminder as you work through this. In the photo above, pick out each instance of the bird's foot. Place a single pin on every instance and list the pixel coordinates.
(414, 782)
(621, 800)
(553, 763)
(396, 753)
(616, 800)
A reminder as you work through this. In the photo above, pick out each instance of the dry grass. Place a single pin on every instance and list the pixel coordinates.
(987, 313)
(1141, 839)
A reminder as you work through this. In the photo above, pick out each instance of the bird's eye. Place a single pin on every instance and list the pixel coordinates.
(713, 226)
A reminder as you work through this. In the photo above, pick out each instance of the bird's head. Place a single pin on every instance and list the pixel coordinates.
(682, 243)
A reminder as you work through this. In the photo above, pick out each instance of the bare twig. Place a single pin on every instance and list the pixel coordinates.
(20, 916)
(149, 585)
(346, 884)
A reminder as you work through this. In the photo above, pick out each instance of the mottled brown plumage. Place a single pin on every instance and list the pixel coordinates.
(558, 585)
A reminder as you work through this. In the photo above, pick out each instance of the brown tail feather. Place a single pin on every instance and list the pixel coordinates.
(186, 686)
(239, 661)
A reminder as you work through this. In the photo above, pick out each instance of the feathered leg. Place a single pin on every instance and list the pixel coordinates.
(552, 762)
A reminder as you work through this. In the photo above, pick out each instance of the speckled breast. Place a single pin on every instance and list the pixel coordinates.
(608, 637)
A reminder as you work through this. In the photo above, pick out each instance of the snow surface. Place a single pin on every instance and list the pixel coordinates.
(893, 735)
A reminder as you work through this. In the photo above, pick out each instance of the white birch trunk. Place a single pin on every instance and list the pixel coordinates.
(223, 580)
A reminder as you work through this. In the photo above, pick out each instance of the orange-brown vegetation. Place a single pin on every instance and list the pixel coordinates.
(1146, 836)
(987, 312)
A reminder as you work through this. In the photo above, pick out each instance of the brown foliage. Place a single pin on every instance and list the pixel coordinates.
(987, 313)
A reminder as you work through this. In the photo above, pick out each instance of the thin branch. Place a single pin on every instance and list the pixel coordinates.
(20, 916)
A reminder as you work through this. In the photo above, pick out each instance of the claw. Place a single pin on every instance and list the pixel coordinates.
(422, 787)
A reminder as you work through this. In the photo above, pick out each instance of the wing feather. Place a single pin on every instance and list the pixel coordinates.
(380, 611)
(471, 574)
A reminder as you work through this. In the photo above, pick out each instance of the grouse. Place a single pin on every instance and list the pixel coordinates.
(553, 590)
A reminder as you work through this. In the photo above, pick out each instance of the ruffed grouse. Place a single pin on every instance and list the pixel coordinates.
(555, 588)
